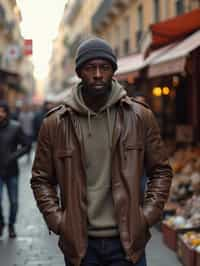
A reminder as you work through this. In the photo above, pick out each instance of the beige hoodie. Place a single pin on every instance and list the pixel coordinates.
(97, 133)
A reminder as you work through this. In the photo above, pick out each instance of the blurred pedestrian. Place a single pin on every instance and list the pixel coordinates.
(95, 147)
(39, 115)
(26, 119)
(11, 138)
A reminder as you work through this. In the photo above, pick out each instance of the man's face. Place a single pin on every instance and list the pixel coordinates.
(96, 76)
(3, 114)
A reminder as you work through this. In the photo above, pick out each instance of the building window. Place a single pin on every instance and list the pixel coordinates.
(140, 25)
(156, 10)
(126, 46)
(166, 9)
(179, 6)
(117, 51)
(2, 15)
(126, 33)
(117, 40)
(140, 18)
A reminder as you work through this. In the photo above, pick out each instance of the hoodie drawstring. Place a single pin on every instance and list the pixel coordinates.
(108, 122)
(89, 124)
(109, 126)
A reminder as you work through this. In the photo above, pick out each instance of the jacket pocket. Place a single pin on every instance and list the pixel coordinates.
(68, 239)
(143, 234)
(53, 221)
(63, 160)
(62, 223)
(64, 153)
(128, 148)
(136, 146)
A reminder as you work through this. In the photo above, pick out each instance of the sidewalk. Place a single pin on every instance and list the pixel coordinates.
(158, 254)
(35, 247)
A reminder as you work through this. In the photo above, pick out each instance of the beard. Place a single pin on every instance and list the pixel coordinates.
(101, 90)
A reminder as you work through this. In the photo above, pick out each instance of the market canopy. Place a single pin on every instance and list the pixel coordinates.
(171, 58)
(174, 29)
(129, 66)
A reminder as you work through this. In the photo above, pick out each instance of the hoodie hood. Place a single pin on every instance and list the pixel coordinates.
(76, 102)
(75, 99)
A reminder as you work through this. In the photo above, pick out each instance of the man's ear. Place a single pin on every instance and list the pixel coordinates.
(79, 73)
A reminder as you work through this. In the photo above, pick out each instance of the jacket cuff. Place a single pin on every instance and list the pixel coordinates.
(53, 221)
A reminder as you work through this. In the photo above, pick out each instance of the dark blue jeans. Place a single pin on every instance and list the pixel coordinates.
(106, 252)
(12, 189)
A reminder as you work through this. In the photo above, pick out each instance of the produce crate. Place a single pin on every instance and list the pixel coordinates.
(197, 259)
(169, 236)
(186, 254)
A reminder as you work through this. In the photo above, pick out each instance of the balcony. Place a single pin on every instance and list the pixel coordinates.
(74, 45)
(2, 16)
(138, 38)
(73, 11)
(9, 29)
(106, 10)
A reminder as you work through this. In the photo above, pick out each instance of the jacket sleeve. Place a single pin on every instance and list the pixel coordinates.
(22, 140)
(43, 181)
(158, 170)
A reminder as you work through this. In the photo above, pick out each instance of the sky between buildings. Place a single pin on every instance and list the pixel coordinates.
(40, 21)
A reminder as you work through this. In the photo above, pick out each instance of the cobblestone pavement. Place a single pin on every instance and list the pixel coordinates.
(35, 247)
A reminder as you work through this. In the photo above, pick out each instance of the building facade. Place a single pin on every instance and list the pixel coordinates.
(128, 26)
(16, 71)
(123, 23)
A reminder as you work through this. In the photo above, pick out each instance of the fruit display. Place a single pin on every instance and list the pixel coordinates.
(192, 239)
(185, 163)
(187, 245)
(178, 222)
(181, 220)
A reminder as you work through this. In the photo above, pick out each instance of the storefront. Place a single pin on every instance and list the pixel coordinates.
(173, 93)
(130, 71)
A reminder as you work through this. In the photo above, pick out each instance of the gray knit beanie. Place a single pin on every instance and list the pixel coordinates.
(92, 49)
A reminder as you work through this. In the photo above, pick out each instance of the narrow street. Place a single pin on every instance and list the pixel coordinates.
(127, 74)
(35, 247)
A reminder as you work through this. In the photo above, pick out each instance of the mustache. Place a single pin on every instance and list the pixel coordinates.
(99, 84)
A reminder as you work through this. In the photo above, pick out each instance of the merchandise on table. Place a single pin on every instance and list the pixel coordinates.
(189, 248)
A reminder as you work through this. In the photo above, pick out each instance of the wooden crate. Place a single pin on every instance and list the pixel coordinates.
(169, 236)
(187, 255)
(197, 259)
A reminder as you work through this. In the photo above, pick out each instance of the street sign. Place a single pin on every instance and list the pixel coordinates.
(28, 47)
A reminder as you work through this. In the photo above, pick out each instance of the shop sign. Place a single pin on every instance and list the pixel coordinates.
(167, 68)
(28, 47)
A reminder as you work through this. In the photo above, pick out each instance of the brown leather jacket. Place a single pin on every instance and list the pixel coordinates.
(60, 160)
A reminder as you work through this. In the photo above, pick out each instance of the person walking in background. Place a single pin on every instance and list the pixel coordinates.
(38, 117)
(26, 118)
(95, 147)
(11, 138)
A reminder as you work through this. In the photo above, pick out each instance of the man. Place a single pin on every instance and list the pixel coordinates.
(94, 148)
(11, 138)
